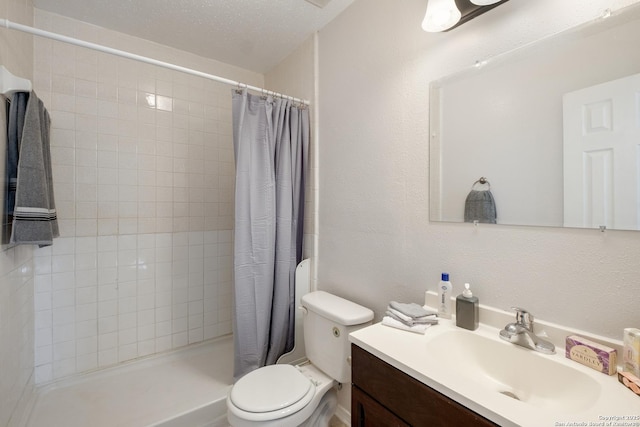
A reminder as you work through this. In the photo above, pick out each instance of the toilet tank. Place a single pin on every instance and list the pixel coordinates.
(328, 320)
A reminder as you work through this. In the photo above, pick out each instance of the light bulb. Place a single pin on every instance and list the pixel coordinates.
(484, 2)
(441, 15)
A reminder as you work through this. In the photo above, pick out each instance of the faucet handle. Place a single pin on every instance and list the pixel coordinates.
(524, 318)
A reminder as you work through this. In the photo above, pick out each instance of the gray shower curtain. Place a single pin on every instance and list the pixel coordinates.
(271, 141)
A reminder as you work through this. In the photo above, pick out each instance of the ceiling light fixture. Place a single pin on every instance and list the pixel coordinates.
(443, 15)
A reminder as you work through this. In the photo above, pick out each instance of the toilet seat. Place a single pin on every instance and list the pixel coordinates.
(271, 392)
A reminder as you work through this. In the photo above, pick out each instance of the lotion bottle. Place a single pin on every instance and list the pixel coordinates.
(444, 297)
(467, 314)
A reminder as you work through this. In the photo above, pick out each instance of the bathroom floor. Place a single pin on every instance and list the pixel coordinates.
(182, 388)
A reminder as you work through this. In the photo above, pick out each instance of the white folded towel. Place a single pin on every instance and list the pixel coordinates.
(431, 319)
(410, 309)
(424, 319)
(419, 329)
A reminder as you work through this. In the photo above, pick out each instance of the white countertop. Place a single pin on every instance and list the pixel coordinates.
(410, 353)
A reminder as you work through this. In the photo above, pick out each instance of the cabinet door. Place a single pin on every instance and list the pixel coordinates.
(415, 402)
(366, 412)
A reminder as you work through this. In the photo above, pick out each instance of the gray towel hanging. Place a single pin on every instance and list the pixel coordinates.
(34, 213)
(480, 205)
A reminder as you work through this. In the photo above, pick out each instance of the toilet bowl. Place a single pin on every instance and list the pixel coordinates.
(304, 395)
(282, 396)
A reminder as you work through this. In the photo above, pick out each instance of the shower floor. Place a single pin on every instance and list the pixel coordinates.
(184, 388)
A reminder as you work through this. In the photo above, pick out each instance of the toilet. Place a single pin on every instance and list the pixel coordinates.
(284, 395)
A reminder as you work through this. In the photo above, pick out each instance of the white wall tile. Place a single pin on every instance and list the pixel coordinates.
(85, 261)
(87, 328)
(180, 339)
(86, 362)
(63, 280)
(108, 357)
(147, 347)
(107, 341)
(87, 89)
(63, 350)
(43, 320)
(63, 298)
(107, 323)
(42, 301)
(64, 367)
(44, 373)
(62, 263)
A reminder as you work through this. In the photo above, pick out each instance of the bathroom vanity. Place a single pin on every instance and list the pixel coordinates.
(453, 376)
(382, 395)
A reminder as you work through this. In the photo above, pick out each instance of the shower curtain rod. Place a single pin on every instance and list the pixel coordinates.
(59, 37)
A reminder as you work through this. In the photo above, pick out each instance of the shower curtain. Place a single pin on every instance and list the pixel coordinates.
(271, 141)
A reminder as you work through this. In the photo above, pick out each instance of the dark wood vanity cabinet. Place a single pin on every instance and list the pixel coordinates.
(382, 395)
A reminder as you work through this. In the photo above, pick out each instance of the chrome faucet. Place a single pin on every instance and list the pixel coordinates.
(521, 333)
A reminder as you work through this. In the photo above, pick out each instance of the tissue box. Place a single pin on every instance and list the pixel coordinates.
(631, 352)
(630, 381)
(589, 353)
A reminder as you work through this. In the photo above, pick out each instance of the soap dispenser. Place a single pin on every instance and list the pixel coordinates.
(467, 314)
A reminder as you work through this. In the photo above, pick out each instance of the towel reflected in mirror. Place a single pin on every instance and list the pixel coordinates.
(480, 206)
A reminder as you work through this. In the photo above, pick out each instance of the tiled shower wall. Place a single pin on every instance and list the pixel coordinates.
(143, 179)
(16, 264)
(16, 333)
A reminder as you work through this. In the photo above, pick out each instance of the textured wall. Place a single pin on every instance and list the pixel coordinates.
(376, 242)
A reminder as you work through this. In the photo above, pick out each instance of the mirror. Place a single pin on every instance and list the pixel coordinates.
(545, 125)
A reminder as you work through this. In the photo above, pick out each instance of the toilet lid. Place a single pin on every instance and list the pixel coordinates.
(270, 388)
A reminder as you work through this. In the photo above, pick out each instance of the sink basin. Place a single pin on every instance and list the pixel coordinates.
(513, 371)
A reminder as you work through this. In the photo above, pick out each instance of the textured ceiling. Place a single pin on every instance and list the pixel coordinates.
(252, 34)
